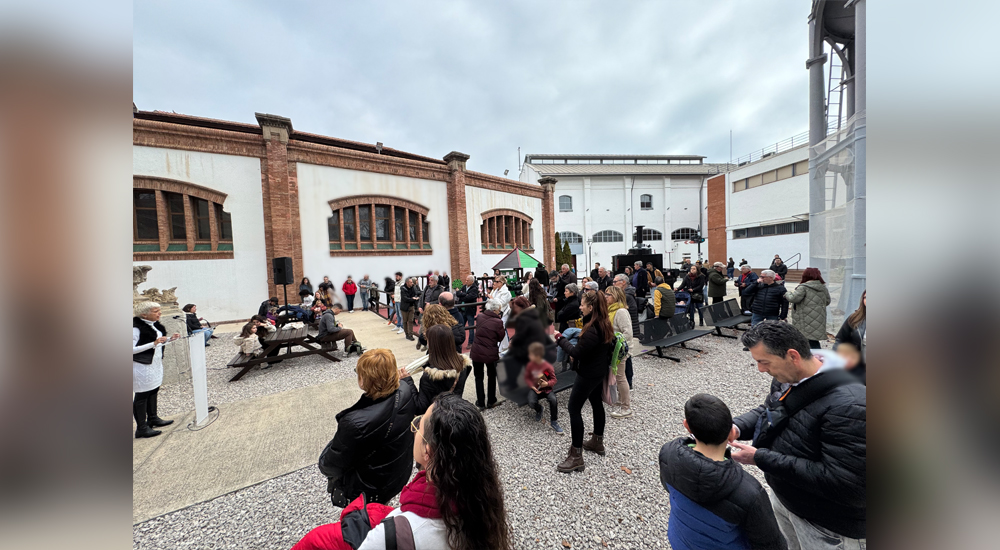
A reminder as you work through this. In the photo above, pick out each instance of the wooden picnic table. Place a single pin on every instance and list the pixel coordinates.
(289, 338)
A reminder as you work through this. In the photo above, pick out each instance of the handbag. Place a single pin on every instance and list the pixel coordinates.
(610, 383)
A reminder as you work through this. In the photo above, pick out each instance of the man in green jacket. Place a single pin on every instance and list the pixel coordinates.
(717, 282)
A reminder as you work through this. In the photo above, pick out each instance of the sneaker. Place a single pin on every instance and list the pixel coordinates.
(400, 331)
(410, 338)
(555, 426)
(622, 413)
(265, 366)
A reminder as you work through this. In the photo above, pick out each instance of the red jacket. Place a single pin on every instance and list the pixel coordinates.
(534, 371)
(349, 288)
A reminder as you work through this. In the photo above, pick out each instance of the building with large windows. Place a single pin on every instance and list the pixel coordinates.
(215, 201)
(601, 198)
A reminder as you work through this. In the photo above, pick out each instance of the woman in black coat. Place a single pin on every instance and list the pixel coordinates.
(853, 332)
(485, 353)
(528, 328)
(593, 354)
(694, 283)
(370, 452)
(305, 288)
(446, 370)
(570, 310)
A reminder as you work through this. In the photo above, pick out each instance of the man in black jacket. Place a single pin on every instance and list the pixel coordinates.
(809, 439)
(595, 273)
(430, 294)
(447, 301)
(565, 277)
(603, 279)
(409, 299)
(768, 299)
(469, 294)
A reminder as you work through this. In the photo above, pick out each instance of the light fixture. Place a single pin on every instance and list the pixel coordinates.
(505, 172)
(378, 147)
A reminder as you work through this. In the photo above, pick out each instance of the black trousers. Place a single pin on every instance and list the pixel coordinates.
(350, 302)
(550, 397)
(491, 373)
(717, 299)
(628, 371)
(585, 389)
(814, 344)
(144, 407)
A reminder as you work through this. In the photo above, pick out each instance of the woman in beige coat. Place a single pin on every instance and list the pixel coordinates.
(622, 322)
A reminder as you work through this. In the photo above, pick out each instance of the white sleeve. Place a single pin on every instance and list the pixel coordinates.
(376, 537)
(135, 340)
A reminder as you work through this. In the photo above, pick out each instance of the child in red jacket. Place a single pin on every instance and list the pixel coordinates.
(541, 378)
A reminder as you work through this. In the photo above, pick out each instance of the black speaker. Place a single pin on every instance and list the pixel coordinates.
(282, 271)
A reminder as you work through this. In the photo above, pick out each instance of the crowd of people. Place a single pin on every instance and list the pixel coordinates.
(808, 436)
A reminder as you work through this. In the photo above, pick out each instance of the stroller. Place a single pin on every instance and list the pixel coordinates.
(686, 307)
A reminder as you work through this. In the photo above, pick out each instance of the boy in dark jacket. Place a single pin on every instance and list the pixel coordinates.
(713, 502)
(541, 378)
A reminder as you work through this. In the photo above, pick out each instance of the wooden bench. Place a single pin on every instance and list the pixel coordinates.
(725, 314)
(289, 338)
(662, 333)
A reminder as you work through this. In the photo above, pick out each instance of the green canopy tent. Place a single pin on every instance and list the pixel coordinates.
(517, 260)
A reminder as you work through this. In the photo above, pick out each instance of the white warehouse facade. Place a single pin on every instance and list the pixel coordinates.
(599, 199)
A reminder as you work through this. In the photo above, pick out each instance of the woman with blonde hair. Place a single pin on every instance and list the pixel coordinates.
(436, 314)
(148, 339)
(622, 322)
(370, 452)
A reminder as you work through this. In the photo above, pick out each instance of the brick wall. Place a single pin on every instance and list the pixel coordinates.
(717, 219)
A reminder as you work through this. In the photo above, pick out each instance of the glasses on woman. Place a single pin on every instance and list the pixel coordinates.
(415, 423)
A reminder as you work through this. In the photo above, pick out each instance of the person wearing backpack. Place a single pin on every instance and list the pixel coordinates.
(452, 503)
(622, 323)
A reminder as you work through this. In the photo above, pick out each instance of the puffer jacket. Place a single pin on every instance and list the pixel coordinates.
(528, 328)
(633, 308)
(809, 313)
(816, 464)
(592, 353)
(435, 381)
(664, 301)
(715, 504)
(716, 284)
(489, 333)
(570, 312)
(767, 299)
(371, 451)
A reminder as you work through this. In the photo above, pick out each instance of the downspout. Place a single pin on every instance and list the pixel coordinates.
(700, 209)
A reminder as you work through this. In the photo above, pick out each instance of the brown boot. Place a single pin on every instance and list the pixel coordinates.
(573, 462)
(595, 444)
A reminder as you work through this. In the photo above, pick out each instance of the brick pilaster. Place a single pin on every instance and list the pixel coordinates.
(458, 230)
(716, 234)
(279, 218)
(548, 222)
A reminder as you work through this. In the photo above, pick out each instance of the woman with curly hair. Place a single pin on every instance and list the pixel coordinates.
(436, 314)
(453, 502)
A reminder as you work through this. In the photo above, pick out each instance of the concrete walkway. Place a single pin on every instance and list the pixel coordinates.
(252, 440)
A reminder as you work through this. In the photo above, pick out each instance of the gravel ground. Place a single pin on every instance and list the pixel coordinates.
(298, 373)
(617, 502)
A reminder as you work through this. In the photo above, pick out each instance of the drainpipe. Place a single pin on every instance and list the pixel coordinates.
(701, 235)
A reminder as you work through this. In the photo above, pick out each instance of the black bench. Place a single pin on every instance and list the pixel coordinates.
(662, 333)
(725, 314)
(510, 377)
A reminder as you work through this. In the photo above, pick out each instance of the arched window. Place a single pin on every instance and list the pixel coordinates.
(608, 236)
(565, 203)
(390, 225)
(646, 202)
(503, 230)
(650, 235)
(570, 237)
(177, 220)
(683, 234)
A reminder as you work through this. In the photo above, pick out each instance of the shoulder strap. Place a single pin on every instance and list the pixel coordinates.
(398, 535)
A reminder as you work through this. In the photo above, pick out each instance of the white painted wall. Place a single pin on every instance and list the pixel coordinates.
(222, 289)
(477, 201)
(601, 203)
(759, 251)
(320, 184)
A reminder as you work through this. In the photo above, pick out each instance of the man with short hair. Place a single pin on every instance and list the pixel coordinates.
(469, 294)
(330, 331)
(594, 273)
(591, 285)
(430, 294)
(444, 280)
(809, 439)
(447, 301)
(664, 300)
(769, 301)
(621, 281)
(603, 280)
(565, 277)
(717, 282)
(640, 281)
(409, 299)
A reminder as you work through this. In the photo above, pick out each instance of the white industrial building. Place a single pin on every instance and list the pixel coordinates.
(599, 199)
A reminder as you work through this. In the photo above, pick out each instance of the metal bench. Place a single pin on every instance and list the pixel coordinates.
(510, 377)
(662, 333)
(725, 314)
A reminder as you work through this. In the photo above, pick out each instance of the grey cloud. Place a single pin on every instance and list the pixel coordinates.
(485, 78)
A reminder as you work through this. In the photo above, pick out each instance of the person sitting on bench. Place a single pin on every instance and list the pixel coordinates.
(664, 300)
(330, 330)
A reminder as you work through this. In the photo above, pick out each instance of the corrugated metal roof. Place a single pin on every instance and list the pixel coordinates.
(535, 156)
(627, 169)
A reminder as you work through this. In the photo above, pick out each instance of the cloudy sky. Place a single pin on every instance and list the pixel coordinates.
(487, 77)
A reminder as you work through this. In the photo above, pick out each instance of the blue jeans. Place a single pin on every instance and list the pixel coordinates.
(729, 272)
(364, 300)
(757, 318)
(208, 333)
(469, 322)
(573, 335)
